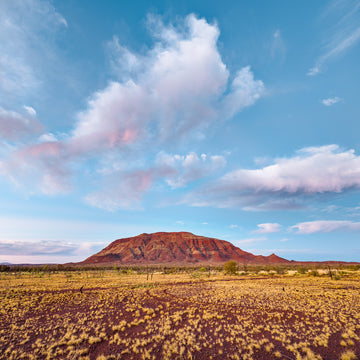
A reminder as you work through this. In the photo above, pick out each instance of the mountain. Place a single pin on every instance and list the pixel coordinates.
(175, 247)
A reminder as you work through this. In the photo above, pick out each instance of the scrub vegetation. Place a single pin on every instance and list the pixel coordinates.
(194, 314)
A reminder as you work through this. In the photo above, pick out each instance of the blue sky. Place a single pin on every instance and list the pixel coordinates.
(237, 120)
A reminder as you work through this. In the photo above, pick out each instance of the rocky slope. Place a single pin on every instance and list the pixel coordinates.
(175, 247)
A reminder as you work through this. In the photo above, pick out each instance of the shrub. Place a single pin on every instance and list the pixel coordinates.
(230, 267)
(301, 270)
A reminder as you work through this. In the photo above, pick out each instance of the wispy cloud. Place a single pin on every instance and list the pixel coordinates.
(344, 32)
(268, 228)
(324, 226)
(331, 101)
(27, 31)
(249, 241)
(285, 183)
(277, 46)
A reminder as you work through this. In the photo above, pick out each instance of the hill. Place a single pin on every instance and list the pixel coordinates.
(175, 247)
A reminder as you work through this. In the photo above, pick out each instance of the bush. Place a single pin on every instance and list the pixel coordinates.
(230, 267)
(301, 270)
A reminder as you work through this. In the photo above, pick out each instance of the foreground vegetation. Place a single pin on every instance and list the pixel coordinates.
(197, 314)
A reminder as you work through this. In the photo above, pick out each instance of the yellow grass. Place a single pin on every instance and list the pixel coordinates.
(177, 316)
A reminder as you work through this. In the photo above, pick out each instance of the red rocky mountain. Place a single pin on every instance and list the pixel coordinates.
(175, 247)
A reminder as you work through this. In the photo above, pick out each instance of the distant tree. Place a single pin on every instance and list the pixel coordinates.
(230, 267)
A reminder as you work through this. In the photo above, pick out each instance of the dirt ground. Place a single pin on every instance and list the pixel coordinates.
(107, 315)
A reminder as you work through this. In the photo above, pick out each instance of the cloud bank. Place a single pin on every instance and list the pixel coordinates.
(285, 183)
(322, 226)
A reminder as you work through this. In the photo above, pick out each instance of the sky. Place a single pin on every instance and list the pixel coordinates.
(236, 120)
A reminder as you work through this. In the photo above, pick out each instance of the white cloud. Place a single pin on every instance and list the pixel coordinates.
(346, 34)
(48, 137)
(331, 101)
(31, 111)
(180, 170)
(245, 91)
(311, 227)
(177, 90)
(268, 228)
(314, 170)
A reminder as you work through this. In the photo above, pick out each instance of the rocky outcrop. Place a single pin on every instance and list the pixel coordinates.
(175, 247)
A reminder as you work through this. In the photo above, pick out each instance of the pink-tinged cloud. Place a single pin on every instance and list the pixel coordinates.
(42, 167)
(16, 126)
(175, 91)
(268, 228)
(46, 251)
(324, 226)
(122, 190)
(179, 171)
(312, 171)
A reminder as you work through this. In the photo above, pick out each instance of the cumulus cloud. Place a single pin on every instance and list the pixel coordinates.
(168, 96)
(312, 171)
(268, 228)
(16, 126)
(176, 90)
(311, 227)
(331, 101)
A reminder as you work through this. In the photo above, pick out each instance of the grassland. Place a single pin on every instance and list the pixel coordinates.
(111, 315)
